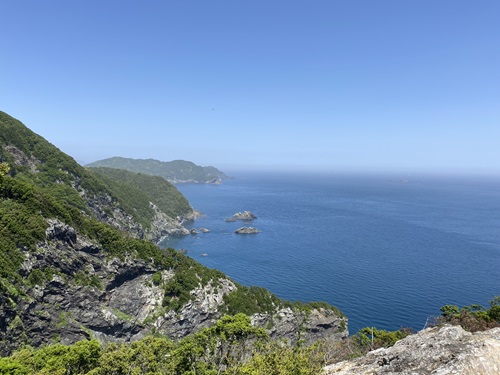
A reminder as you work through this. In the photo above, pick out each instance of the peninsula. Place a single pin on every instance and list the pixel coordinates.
(176, 171)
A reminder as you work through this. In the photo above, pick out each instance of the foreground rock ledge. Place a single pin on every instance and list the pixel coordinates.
(439, 350)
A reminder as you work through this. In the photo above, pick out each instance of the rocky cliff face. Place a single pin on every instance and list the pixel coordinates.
(163, 226)
(309, 326)
(83, 293)
(439, 350)
(106, 211)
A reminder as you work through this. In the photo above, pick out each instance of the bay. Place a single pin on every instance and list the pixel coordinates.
(389, 251)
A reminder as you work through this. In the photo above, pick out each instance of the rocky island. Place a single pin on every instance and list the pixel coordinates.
(244, 216)
(247, 230)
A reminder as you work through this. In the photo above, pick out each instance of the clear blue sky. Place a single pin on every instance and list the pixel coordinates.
(332, 85)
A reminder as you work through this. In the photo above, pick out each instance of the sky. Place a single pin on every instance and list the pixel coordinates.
(330, 85)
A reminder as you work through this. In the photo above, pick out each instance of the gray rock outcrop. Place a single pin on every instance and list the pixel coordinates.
(164, 226)
(84, 293)
(439, 350)
(288, 324)
(245, 216)
(247, 230)
(201, 312)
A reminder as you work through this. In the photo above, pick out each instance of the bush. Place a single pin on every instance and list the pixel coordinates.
(373, 338)
(189, 275)
(472, 318)
(250, 300)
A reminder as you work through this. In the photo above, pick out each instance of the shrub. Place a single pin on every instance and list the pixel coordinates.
(472, 318)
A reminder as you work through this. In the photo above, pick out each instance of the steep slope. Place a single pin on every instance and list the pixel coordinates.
(152, 201)
(73, 266)
(173, 171)
(34, 160)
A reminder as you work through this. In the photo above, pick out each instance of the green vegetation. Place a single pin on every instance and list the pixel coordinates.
(177, 170)
(34, 161)
(36, 277)
(372, 338)
(308, 306)
(474, 317)
(122, 315)
(38, 162)
(4, 169)
(231, 346)
(57, 359)
(84, 279)
(156, 279)
(22, 224)
(45, 183)
(189, 275)
(23, 209)
(275, 358)
(251, 300)
(38, 182)
(134, 191)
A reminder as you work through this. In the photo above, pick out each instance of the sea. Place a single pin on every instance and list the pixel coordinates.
(387, 250)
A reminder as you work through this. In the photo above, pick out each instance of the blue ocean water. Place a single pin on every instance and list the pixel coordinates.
(388, 252)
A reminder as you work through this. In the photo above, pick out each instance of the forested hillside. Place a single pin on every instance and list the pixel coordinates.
(122, 203)
(173, 171)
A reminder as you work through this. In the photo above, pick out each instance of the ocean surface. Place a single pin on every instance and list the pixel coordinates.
(389, 251)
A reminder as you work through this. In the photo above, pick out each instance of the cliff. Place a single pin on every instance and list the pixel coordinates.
(82, 293)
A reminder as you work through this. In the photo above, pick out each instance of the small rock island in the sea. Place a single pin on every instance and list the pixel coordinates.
(245, 215)
(247, 230)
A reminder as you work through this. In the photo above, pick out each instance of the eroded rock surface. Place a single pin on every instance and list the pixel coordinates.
(79, 292)
(439, 350)
(245, 216)
(310, 326)
(247, 230)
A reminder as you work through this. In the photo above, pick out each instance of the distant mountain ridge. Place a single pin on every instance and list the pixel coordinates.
(176, 171)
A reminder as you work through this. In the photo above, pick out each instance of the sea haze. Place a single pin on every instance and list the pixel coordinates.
(388, 251)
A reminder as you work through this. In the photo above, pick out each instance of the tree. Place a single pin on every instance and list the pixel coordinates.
(277, 358)
(4, 169)
(222, 347)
